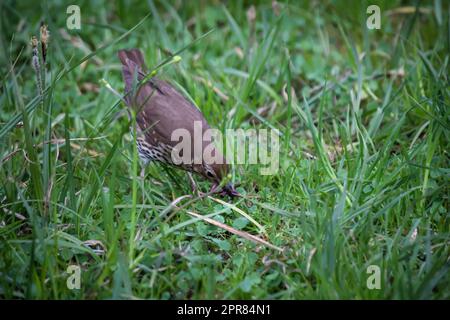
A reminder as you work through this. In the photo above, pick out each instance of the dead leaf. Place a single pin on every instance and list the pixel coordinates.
(251, 14)
(97, 246)
(239, 52)
(276, 8)
(407, 10)
(89, 87)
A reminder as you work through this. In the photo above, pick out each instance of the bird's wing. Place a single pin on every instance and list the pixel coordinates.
(164, 110)
(161, 108)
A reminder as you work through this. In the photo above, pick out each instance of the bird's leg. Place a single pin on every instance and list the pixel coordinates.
(194, 186)
(214, 188)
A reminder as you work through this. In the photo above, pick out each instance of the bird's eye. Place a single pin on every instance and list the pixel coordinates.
(209, 174)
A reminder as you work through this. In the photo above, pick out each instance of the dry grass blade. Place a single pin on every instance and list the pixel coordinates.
(75, 146)
(242, 234)
(208, 83)
(233, 207)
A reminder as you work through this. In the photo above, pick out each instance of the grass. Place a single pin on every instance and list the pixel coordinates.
(363, 120)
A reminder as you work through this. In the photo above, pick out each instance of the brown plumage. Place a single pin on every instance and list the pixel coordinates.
(161, 109)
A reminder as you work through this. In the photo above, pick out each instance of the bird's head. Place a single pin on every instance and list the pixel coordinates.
(216, 173)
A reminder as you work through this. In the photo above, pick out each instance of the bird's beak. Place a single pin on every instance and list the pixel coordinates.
(230, 190)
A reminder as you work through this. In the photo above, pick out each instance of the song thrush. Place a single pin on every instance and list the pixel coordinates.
(161, 109)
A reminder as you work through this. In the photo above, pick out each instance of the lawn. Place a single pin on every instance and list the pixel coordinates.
(358, 208)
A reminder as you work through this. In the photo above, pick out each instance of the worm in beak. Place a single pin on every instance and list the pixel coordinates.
(229, 189)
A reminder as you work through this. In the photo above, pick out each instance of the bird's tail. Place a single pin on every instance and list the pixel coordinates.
(133, 68)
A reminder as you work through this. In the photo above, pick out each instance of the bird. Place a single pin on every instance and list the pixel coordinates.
(160, 109)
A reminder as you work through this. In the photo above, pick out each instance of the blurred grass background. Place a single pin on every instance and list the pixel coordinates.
(364, 167)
